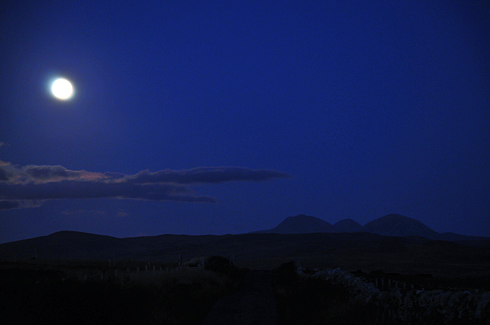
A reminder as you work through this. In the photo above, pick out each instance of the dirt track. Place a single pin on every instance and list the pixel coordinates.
(254, 303)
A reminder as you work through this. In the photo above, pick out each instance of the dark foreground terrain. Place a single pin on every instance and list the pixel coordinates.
(70, 278)
(219, 293)
(335, 296)
(89, 293)
(254, 303)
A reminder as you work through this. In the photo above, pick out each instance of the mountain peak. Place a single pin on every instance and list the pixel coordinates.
(398, 225)
(301, 224)
(347, 225)
(395, 225)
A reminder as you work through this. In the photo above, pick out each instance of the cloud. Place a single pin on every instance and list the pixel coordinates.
(57, 173)
(44, 174)
(3, 175)
(19, 204)
(203, 175)
(92, 190)
(27, 186)
(5, 205)
(122, 213)
(82, 212)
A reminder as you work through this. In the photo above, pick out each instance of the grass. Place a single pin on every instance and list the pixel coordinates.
(48, 294)
(315, 301)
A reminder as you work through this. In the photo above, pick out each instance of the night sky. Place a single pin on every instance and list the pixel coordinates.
(216, 117)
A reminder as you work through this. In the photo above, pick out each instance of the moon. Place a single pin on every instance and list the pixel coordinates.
(62, 89)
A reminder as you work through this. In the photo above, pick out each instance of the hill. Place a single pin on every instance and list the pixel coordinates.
(400, 226)
(300, 224)
(350, 251)
(347, 225)
(390, 225)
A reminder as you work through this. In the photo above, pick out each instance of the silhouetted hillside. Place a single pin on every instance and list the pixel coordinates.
(300, 224)
(400, 226)
(347, 225)
(390, 225)
(469, 240)
(352, 251)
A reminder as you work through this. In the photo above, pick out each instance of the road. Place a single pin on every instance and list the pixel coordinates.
(254, 303)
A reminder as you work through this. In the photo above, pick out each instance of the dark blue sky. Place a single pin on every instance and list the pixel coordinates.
(336, 109)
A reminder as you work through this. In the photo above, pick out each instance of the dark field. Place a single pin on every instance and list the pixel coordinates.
(380, 298)
(88, 293)
(85, 278)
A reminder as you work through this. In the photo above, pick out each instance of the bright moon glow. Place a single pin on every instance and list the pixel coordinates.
(62, 89)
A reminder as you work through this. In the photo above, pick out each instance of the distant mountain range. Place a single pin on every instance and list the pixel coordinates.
(390, 225)
(300, 224)
(352, 251)
(392, 243)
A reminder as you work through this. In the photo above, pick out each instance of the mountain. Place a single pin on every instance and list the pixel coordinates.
(300, 224)
(394, 225)
(347, 225)
(399, 226)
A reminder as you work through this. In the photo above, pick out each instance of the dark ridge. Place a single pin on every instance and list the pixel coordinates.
(300, 224)
(350, 251)
(390, 225)
(400, 226)
(347, 225)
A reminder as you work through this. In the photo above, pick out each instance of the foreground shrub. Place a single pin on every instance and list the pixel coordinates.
(315, 300)
(335, 296)
(181, 296)
(220, 264)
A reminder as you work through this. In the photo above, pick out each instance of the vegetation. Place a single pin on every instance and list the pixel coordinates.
(315, 301)
(43, 294)
(334, 296)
